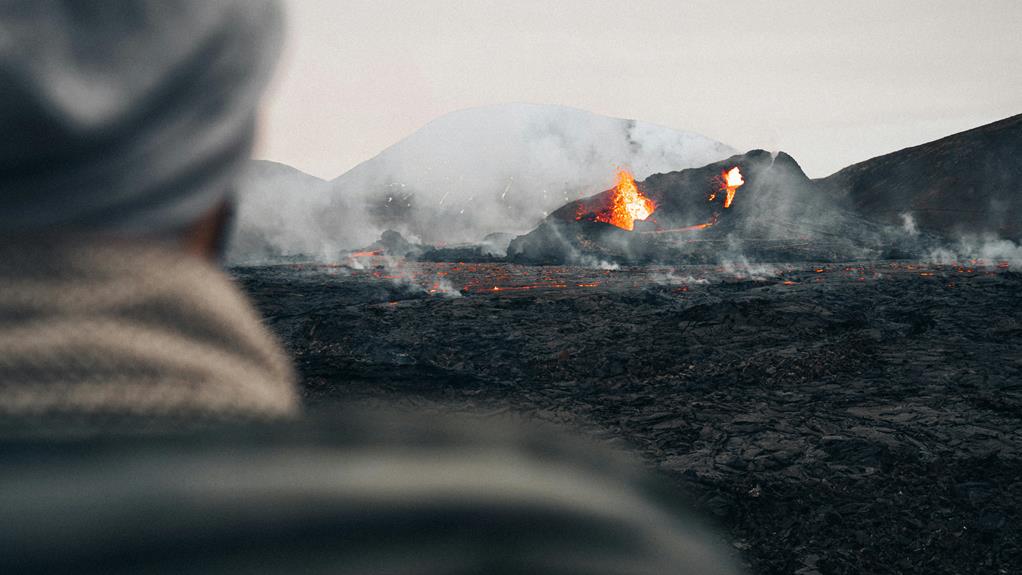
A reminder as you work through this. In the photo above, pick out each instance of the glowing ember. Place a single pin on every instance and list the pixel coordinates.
(627, 205)
(732, 181)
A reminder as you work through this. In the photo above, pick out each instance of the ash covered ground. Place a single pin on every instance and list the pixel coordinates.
(831, 418)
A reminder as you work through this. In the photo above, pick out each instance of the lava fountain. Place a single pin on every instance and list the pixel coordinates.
(732, 181)
(627, 204)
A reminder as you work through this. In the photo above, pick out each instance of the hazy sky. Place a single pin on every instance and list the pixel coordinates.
(830, 81)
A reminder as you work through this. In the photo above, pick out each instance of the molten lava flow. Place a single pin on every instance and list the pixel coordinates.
(627, 204)
(697, 227)
(732, 181)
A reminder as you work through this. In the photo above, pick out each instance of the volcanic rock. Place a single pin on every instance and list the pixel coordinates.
(394, 244)
(804, 411)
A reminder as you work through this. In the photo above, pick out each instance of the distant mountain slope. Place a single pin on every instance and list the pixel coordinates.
(462, 177)
(275, 202)
(502, 169)
(970, 183)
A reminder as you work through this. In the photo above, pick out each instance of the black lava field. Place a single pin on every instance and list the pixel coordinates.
(829, 418)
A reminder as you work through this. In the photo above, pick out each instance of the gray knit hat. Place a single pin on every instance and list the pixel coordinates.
(127, 116)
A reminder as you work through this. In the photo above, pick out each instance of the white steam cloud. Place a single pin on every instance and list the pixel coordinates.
(908, 224)
(460, 178)
(990, 250)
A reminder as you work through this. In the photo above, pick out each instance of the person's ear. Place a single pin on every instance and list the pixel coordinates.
(207, 238)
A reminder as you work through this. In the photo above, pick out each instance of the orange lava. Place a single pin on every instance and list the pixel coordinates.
(732, 181)
(694, 228)
(528, 287)
(627, 204)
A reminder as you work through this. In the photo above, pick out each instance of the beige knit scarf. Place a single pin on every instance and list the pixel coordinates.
(114, 328)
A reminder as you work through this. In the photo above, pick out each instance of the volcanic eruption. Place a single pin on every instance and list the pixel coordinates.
(627, 204)
(694, 215)
(732, 181)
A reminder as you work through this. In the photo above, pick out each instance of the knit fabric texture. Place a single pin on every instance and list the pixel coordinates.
(134, 329)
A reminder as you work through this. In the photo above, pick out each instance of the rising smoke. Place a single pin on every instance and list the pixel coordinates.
(980, 250)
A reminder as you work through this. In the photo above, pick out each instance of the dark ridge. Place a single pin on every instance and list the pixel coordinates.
(966, 183)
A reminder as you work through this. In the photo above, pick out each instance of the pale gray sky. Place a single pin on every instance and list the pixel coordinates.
(830, 81)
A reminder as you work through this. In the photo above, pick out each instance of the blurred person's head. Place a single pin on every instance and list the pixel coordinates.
(124, 124)
(129, 118)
